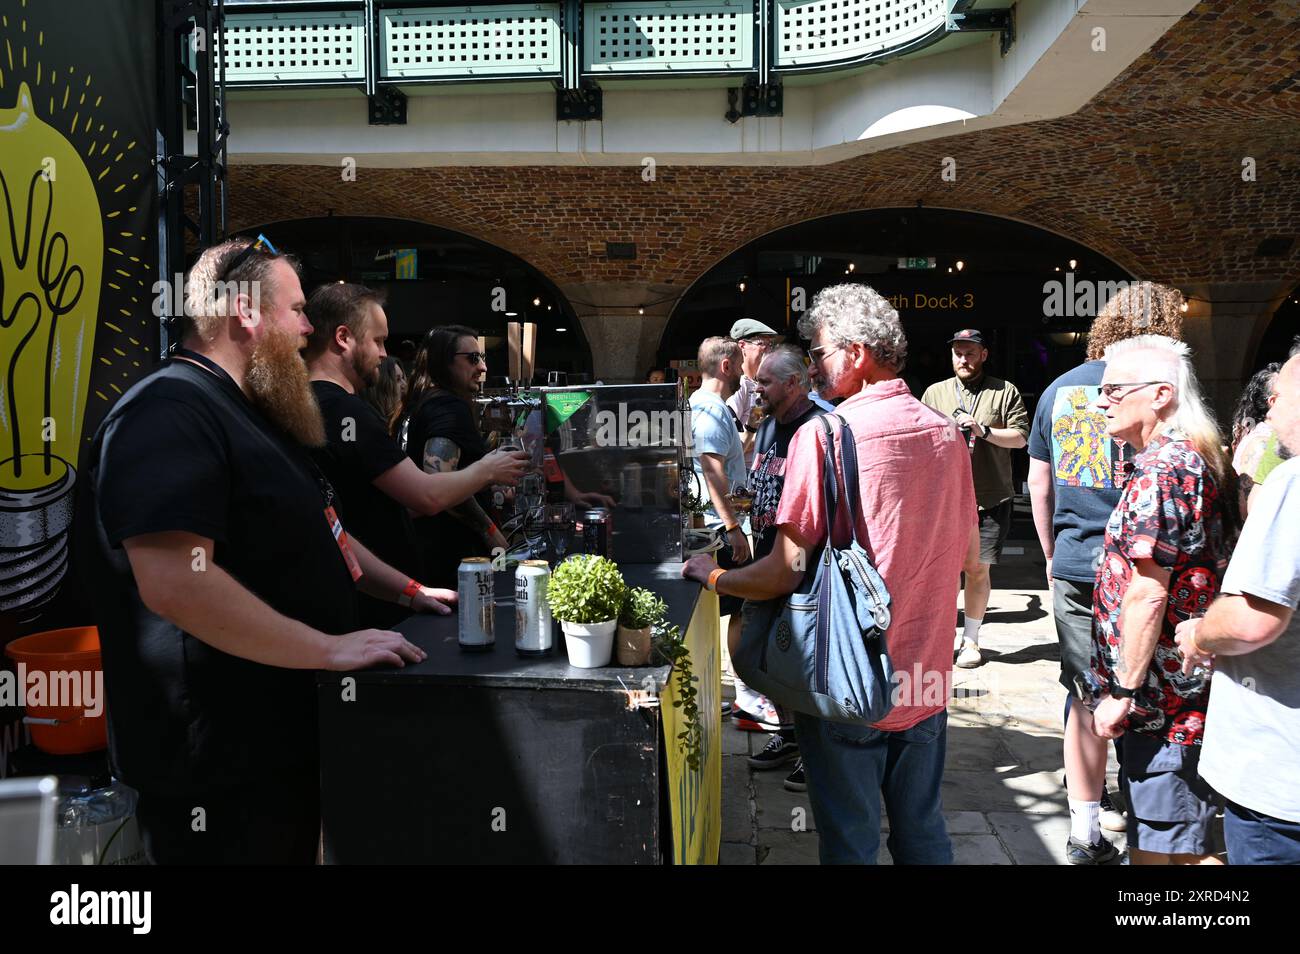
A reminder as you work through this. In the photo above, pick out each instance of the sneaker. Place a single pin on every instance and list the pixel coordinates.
(749, 722)
(726, 710)
(795, 781)
(1112, 819)
(969, 655)
(1102, 853)
(780, 748)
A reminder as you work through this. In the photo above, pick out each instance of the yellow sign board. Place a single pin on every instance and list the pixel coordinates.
(695, 795)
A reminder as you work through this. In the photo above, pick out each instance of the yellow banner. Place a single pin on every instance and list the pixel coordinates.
(695, 796)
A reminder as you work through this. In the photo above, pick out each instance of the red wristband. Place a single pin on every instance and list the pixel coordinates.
(411, 591)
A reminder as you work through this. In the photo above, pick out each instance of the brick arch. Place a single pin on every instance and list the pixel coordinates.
(269, 193)
(1132, 266)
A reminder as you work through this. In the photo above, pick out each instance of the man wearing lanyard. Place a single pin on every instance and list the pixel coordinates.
(992, 417)
(221, 576)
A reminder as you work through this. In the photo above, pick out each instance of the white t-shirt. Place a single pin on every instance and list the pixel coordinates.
(1251, 750)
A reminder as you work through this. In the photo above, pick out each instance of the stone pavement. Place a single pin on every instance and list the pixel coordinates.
(1002, 791)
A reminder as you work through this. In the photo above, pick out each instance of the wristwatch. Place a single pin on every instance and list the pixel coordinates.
(1119, 692)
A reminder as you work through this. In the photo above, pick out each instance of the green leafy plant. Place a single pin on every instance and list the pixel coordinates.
(642, 608)
(672, 647)
(586, 589)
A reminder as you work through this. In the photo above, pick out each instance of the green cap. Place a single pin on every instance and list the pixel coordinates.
(748, 327)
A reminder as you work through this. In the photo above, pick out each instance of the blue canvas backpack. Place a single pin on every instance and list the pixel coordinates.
(821, 650)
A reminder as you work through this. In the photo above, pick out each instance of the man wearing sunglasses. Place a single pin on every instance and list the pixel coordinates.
(755, 340)
(1075, 475)
(377, 483)
(221, 576)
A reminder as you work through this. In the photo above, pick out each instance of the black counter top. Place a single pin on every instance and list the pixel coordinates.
(447, 663)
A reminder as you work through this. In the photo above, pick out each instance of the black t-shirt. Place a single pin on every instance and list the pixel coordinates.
(359, 449)
(184, 450)
(444, 540)
(767, 476)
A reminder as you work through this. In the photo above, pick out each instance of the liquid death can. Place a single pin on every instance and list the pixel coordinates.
(475, 588)
(597, 533)
(532, 611)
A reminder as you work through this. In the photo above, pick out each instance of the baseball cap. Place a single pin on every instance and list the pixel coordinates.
(748, 327)
(969, 334)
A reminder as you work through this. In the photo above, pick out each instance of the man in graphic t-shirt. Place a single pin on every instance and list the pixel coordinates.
(1075, 475)
(782, 381)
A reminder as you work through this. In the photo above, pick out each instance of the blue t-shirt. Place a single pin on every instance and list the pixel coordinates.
(1069, 433)
(714, 430)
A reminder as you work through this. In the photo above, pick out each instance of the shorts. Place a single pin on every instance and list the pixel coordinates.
(995, 524)
(1171, 808)
(727, 605)
(1072, 612)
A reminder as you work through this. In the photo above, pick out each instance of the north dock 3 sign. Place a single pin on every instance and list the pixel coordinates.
(78, 253)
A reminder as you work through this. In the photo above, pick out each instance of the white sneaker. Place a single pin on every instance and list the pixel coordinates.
(1112, 819)
(969, 657)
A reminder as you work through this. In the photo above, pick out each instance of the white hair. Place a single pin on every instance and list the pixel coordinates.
(852, 313)
(1171, 361)
(785, 362)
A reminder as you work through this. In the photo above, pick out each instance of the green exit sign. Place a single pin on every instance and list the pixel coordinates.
(912, 263)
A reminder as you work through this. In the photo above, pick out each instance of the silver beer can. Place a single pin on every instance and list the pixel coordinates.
(532, 611)
(475, 585)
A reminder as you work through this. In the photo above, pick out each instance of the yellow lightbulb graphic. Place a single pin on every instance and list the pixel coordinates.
(51, 262)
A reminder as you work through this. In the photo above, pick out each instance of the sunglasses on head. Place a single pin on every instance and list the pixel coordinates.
(263, 245)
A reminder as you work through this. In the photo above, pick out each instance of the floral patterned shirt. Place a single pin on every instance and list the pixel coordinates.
(1171, 512)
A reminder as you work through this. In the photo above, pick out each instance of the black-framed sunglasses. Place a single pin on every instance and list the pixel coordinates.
(474, 356)
(1110, 390)
(263, 244)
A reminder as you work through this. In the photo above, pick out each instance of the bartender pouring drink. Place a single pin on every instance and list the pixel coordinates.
(221, 575)
(376, 482)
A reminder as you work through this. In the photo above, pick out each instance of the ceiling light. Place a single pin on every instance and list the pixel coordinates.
(537, 301)
(561, 329)
(960, 265)
(1074, 263)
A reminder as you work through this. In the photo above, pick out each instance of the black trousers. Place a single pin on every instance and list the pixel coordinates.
(274, 824)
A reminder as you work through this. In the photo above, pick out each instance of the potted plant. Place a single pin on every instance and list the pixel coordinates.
(641, 610)
(586, 593)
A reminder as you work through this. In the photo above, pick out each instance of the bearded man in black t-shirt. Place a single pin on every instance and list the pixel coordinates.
(221, 576)
(376, 482)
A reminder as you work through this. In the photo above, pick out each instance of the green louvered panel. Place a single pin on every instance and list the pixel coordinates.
(448, 42)
(824, 31)
(294, 47)
(670, 36)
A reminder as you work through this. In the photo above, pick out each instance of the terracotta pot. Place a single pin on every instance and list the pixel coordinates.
(632, 646)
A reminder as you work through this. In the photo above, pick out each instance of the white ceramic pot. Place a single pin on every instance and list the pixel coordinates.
(589, 644)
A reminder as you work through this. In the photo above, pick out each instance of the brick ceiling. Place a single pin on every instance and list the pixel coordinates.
(1149, 174)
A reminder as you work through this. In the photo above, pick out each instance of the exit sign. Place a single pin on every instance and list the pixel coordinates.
(911, 263)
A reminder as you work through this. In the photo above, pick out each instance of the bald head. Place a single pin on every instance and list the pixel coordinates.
(1285, 415)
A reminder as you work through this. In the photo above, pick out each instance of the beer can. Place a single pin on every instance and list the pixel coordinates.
(474, 584)
(532, 611)
(597, 532)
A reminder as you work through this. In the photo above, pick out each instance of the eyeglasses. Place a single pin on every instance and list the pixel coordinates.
(819, 354)
(263, 244)
(474, 356)
(1109, 390)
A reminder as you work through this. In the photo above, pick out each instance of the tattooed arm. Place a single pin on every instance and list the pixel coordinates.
(441, 456)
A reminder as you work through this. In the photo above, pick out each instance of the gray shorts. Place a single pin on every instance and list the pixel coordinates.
(1072, 611)
(995, 524)
(1171, 808)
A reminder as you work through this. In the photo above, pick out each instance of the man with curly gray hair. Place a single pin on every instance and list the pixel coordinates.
(916, 516)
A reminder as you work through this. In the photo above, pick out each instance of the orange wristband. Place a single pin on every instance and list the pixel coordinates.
(713, 578)
(409, 594)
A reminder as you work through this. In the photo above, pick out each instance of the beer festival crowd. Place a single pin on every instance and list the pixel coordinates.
(1172, 557)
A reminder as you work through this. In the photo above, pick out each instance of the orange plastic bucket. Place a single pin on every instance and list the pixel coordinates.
(64, 679)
